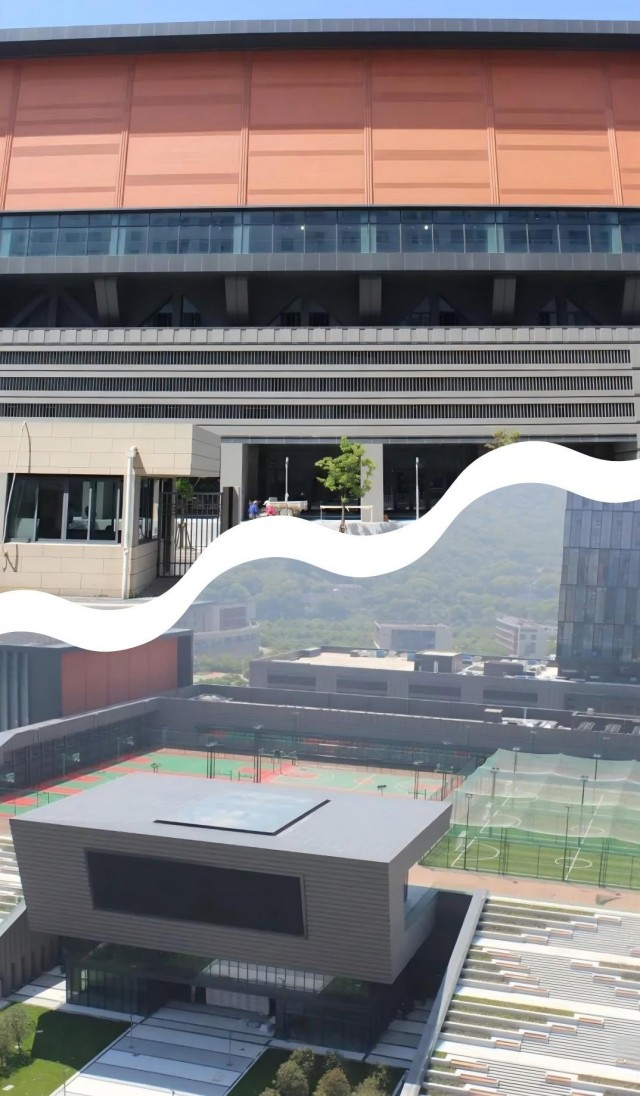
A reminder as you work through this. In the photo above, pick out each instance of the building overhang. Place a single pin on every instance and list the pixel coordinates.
(321, 34)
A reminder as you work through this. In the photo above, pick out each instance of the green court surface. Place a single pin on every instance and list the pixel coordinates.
(286, 773)
(535, 856)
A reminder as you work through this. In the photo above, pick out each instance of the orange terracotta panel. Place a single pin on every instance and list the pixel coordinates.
(185, 131)
(429, 129)
(73, 691)
(624, 77)
(551, 130)
(306, 130)
(66, 142)
(320, 128)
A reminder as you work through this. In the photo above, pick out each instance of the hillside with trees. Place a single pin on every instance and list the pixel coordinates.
(502, 555)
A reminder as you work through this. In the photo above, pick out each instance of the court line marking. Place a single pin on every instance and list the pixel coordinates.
(487, 825)
(586, 834)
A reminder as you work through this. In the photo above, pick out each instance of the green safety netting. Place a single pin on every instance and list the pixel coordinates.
(554, 794)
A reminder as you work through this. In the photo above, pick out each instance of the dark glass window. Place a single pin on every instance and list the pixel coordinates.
(59, 508)
(148, 510)
(177, 891)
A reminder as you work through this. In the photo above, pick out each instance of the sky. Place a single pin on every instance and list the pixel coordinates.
(48, 13)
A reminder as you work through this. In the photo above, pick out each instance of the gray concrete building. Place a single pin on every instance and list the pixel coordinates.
(402, 281)
(281, 894)
(413, 637)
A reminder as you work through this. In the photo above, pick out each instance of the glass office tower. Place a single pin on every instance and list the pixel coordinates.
(599, 610)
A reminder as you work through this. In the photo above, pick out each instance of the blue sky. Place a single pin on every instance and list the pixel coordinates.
(34, 13)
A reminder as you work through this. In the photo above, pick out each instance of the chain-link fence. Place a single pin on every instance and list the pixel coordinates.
(547, 817)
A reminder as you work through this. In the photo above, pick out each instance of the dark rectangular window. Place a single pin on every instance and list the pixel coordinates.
(504, 696)
(177, 891)
(439, 692)
(292, 681)
(361, 685)
(64, 508)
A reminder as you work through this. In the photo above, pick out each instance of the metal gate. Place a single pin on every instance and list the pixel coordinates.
(186, 528)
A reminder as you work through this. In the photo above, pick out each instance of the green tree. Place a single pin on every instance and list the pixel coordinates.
(332, 1060)
(20, 1025)
(369, 1087)
(291, 1081)
(7, 1042)
(305, 1059)
(502, 437)
(383, 1079)
(270, 1092)
(347, 476)
(333, 1083)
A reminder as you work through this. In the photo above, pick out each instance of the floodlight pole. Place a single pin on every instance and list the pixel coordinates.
(596, 758)
(469, 796)
(516, 751)
(566, 846)
(585, 781)
(286, 481)
(416, 779)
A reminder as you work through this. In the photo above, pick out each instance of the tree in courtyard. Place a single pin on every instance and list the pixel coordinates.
(332, 1060)
(333, 1083)
(503, 437)
(348, 476)
(383, 1079)
(270, 1092)
(369, 1087)
(305, 1059)
(20, 1024)
(291, 1081)
(7, 1043)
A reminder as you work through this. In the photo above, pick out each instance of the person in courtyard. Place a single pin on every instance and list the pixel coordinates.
(254, 509)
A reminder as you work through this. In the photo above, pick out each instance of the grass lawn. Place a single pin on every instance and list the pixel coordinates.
(62, 1044)
(262, 1074)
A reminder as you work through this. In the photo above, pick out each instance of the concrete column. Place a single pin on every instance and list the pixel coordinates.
(236, 289)
(370, 297)
(233, 476)
(631, 299)
(504, 298)
(4, 495)
(107, 302)
(375, 498)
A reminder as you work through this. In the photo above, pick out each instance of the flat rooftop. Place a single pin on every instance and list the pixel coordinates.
(257, 816)
(321, 34)
(367, 661)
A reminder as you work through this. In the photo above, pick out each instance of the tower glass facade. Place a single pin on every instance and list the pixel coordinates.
(599, 611)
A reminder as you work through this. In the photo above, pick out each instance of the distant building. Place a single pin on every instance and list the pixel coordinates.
(438, 662)
(340, 671)
(222, 629)
(413, 637)
(599, 609)
(41, 679)
(522, 638)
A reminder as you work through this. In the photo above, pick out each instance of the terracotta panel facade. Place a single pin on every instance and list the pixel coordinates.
(320, 128)
(67, 135)
(91, 681)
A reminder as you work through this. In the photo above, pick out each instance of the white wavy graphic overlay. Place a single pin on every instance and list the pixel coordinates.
(96, 629)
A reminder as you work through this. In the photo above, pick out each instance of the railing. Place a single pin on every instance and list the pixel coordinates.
(350, 231)
(187, 527)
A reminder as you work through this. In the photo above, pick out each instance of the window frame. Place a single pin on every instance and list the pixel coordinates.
(66, 481)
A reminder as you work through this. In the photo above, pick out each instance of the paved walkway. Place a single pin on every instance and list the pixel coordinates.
(182, 1050)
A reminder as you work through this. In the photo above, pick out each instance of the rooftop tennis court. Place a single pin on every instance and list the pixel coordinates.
(285, 772)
